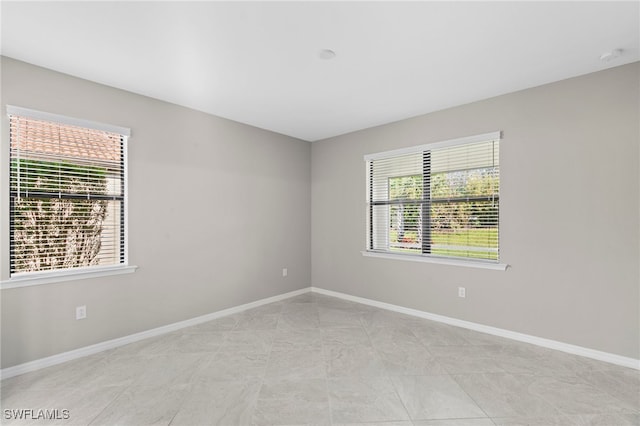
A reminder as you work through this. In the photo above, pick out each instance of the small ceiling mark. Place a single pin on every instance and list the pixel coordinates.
(611, 55)
(326, 54)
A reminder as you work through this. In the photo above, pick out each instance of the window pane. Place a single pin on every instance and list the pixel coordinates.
(464, 211)
(379, 222)
(456, 216)
(399, 170)
(54, 233)
(66, 196)
(405, 231)
(405, 187)
(465, 229)
(467, 183)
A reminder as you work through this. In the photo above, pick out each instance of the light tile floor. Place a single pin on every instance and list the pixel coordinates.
(315, 359)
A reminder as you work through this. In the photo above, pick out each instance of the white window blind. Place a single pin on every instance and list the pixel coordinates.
(436, 200)
(67, 195)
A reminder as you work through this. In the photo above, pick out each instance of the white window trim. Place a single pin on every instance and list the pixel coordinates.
(438, 260)
(28, 279)
(50, 277)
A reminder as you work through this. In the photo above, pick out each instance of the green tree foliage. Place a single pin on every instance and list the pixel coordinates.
(449, 212)
(457, 214)
(54, 233)
(406, 219)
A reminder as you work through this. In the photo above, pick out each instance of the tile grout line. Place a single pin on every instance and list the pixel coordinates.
(191, 382)
(125, 388)
(452, 376)
(389, 379)
(326, 372)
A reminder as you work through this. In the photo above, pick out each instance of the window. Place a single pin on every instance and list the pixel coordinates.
(436, 200)
(67, 198)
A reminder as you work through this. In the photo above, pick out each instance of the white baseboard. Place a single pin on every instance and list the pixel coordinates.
(49, 361)
(539, 341)
(114, 343)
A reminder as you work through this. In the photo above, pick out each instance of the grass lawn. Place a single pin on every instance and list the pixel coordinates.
(474, 237)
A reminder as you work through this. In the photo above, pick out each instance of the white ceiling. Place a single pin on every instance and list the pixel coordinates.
(258, 62)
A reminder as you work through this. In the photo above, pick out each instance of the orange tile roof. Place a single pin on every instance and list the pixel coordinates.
(37, 138)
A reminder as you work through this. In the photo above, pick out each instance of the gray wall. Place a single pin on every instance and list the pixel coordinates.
(569, 222)
(216, 210)
(569, 214)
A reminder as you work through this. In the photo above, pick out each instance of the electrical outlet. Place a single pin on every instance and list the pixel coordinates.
(462, 292)
(81, 312)
(285, 272)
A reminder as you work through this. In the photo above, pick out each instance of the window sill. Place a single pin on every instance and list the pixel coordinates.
(440, 260)
(55, 277)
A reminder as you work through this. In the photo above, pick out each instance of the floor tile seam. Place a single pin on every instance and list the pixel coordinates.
(421, 375)
(256, 329)
(551, 375)
(182, 402)
(242, 351)
(256, 398)
(569, 422)
(45, 389)
(601, 413)
(280, 320)
(198, 332)
(368, 332)
(614, 368)
(194, 352)
(586, 379)
(362, 321)
(326, 385)
(251, 313)
(453, 371)
(219, 336)
(262, 379)
(420, 341)
(588, 413)
(470, 397)
(241, 327)
(174, 416)
(550, 404)
(138, 377)
(268, 361)
(115, 398)
(406, 349)
(297, 348)
(395, 389)
(455, 418)
(202, 360)
(478, 373)
(566, 416)
(326, 379)
(288, 379)
(380, 352)
(204, 365)
(573, 377)
(620, 410)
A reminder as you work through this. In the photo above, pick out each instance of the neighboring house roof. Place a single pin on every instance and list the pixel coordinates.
(44, 139)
